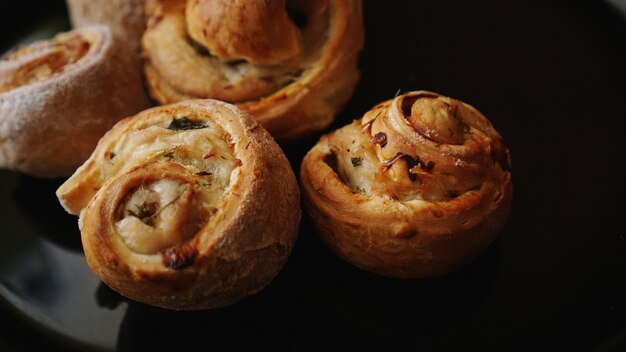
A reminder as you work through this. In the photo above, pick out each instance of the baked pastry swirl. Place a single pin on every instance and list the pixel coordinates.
(291, 64)
(125, 17)
(59, 96)
(418, 187)
(186, 206)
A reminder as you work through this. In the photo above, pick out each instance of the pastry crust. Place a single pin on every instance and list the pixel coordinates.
(290, 64)
(416, 188)
(186, 206)
(59, 96)
(125, 17)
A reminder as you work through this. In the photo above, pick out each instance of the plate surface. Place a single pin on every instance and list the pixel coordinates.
(549, 75)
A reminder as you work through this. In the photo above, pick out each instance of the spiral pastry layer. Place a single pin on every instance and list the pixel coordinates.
(59, 96)
(289, 63)
(418, 187)
(186, 206)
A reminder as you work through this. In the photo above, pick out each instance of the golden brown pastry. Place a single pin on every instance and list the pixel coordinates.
(59, 96)
(416, 188)
(289, 63)
(125, 17)
(186, 206)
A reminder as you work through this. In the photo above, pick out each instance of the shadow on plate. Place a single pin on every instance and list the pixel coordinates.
(37, 200)
(364, 310)
(319, 301)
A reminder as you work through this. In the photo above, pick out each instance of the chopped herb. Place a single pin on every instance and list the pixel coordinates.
(145, 212)
(357, 161)
(112, 155)
(169, 153)
(204, 184)
(204, 173)
(183, 123)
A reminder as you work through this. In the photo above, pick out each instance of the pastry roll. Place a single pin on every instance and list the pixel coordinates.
(416, 188)
(125, 17)
(291, 64)
(186, 206)
(59, 96)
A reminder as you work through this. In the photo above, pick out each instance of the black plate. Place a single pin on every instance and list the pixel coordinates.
(551, 75)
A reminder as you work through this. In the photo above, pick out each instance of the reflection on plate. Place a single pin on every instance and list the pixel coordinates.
(43, 272)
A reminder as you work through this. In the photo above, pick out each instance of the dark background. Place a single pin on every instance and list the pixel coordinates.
(551, 76)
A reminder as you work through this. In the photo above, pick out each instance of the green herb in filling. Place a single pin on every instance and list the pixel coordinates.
(145, 212)
(169, 153)
(183, 123)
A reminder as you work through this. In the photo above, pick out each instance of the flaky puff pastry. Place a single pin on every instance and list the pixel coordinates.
(416, 188)
(292, 64)
(59, 96)
(186, 206)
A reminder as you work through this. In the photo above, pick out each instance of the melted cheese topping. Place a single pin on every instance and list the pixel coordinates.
(165, 213)
(200, 151)
(356, 159)
(155, 216)
(417, 148)
(359, 167)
